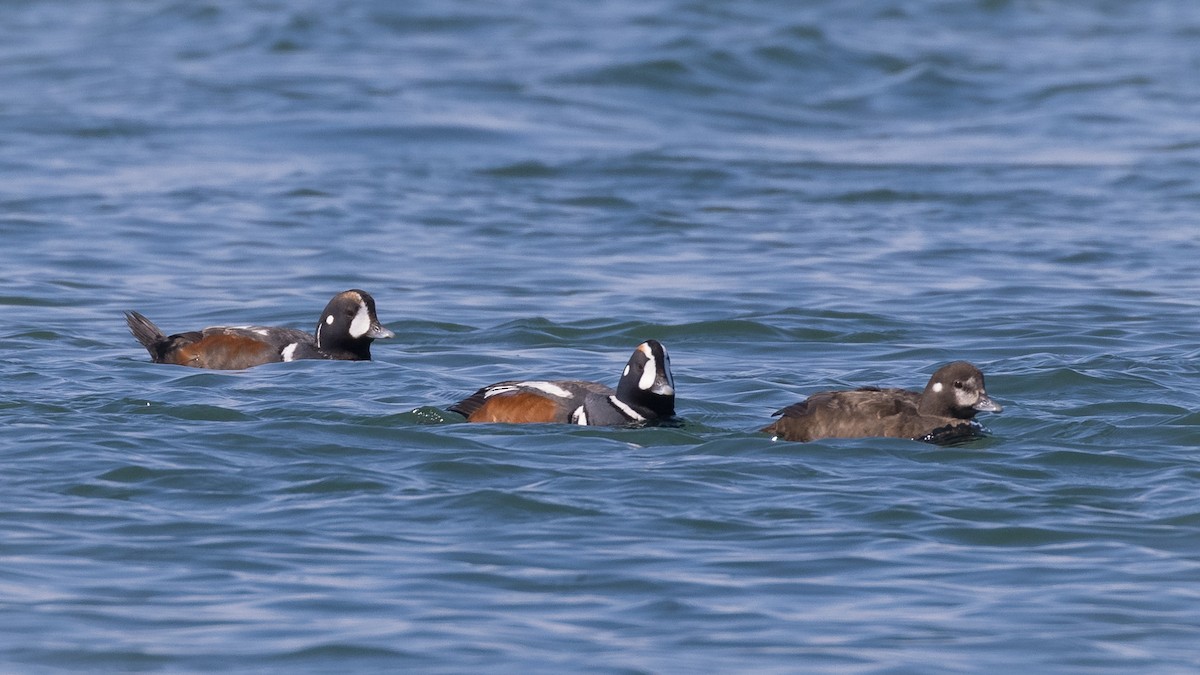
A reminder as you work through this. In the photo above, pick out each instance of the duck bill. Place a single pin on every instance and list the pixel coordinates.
(378, 332)
(986, 404)
(662, 387)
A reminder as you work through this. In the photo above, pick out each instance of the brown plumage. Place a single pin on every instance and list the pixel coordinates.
(523, 406)
(223, 351)
(943, 412)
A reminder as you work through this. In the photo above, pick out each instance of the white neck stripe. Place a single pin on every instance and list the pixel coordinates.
(625, 410)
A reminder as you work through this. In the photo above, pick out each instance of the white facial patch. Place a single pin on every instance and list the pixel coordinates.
(361, 323)
(649, 374)
(289, 352)
(626, 371)
(964, 397)
(629, 412)
(937, 387)
(329, 320)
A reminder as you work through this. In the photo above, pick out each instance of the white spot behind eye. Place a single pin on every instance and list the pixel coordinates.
(361, 323)
(937, 386)
(329, 320)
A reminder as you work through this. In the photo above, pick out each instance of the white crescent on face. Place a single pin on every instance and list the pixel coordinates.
(649, 373)
(361, 323)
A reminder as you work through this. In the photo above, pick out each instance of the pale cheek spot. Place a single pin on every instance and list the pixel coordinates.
(648, 375)
(289, 352)
(329, 320)
(937, 387)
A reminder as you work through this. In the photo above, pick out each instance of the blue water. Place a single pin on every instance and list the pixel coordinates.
(791, 196)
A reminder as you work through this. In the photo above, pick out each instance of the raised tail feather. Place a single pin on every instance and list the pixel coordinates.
(145, 331)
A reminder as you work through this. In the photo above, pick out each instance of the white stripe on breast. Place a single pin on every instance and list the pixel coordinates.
(579, 416)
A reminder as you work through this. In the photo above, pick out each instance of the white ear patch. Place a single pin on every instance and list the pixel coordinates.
(937, 386)
(361, 323)
(329, 320)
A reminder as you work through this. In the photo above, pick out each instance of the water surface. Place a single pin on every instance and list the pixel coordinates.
(791, 198)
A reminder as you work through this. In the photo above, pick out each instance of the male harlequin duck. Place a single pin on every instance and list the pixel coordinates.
(646, 392)
(942, 413)
(345, 331)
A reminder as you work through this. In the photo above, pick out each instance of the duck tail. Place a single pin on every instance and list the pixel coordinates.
(145, 331)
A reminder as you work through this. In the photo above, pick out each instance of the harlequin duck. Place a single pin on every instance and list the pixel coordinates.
(942, 413)
(345, 331)
(646, 392)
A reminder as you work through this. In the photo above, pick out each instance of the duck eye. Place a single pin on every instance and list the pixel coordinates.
(958, 384)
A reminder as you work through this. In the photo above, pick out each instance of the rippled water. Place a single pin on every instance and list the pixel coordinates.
(791, 198)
